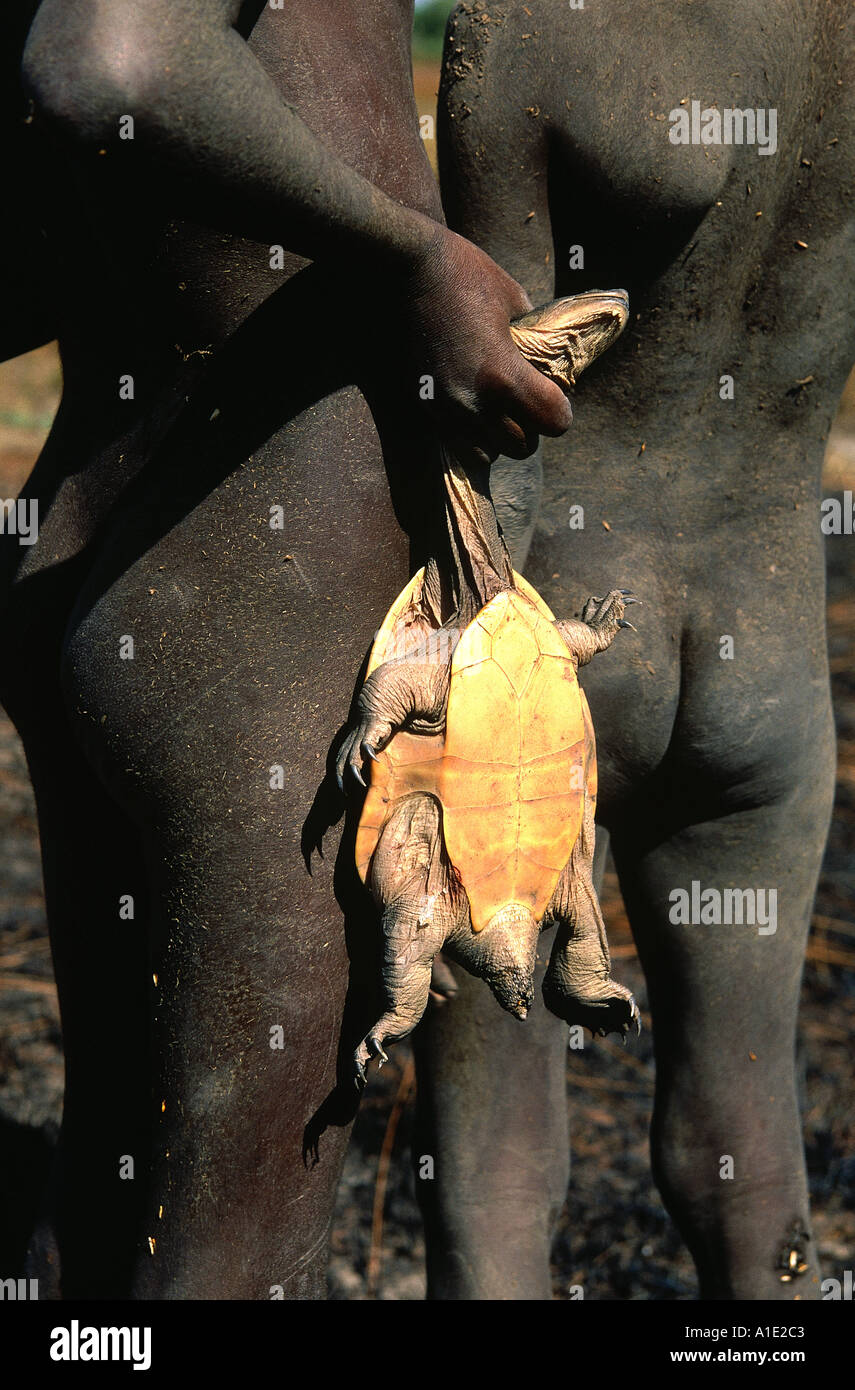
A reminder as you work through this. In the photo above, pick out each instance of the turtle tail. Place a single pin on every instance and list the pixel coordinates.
(503, 955)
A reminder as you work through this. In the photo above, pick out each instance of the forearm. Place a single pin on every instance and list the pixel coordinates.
(213, 139)
(214, 143)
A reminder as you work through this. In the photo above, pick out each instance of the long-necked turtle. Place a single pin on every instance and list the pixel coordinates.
(477, 829)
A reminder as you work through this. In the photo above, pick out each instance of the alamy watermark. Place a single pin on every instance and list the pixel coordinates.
(431, 646)
(76, 1343)
(697, 125)
(838, 515)
(20, 517)
(833, 1288)
(19, 1290)
(714, 907)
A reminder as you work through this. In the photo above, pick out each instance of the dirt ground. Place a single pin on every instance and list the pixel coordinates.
(615, 1237)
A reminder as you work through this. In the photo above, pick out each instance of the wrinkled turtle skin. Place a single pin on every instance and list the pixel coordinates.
(477, 829)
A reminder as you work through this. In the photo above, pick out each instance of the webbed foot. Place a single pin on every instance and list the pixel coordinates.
(607, 1008)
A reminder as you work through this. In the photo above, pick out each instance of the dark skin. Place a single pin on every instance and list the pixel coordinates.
(713, 770)
(253, 388)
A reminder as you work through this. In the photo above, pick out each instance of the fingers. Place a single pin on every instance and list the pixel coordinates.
(522, 403)
(471, 456)
(512, 406)
(517, 442)
(506, 437)
(534, 405)
(538, 405)
(486, 395)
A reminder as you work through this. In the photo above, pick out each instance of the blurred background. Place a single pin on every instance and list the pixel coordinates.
(615, 1237)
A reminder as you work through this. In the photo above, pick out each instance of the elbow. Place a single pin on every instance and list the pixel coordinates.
(81, 87)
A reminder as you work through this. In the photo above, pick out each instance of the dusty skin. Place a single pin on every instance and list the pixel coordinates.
(154, 261)
(553, 140)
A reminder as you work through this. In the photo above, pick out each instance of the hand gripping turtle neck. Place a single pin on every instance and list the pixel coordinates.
(477, 829)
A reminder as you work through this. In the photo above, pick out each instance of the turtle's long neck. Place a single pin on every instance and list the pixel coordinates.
(471, 565)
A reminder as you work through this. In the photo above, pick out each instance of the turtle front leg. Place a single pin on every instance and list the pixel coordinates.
(602, 619)
(398, 693)
(421, 904)
(578, 986)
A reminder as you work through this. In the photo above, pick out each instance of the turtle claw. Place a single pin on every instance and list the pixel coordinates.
(626, 1028)
(343, 762)
(605, 615)
(602, 1013)
(368, 1048)
(364, 743)
(634, 1018)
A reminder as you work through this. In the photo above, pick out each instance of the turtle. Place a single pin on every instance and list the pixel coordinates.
(477, 827)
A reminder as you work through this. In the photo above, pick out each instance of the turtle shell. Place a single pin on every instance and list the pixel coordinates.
(509, 769)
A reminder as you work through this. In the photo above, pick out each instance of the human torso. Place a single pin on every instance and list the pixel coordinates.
(188, 312)
(738, 265)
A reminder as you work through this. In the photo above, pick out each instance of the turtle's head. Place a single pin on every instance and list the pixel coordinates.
(509, 952)
(563, 338)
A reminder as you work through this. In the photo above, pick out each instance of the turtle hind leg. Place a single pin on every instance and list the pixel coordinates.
(407, 985)
(578, 986)
(503, 955)
(420, 903)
